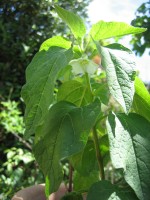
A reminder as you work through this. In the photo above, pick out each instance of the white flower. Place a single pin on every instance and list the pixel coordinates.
(83, 65)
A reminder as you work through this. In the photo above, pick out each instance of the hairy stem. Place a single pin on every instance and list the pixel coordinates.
(98, 155)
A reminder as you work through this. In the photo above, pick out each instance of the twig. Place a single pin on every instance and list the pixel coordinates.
(23, 141)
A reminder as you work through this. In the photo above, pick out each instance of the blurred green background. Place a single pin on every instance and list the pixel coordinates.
(24, 25)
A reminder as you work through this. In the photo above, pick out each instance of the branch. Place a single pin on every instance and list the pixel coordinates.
(23, 141)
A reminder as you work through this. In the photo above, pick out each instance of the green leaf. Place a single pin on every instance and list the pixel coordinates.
(104, 190)
(63, 134)
(83, 183)
(40, 79)
(141, 101)
(101, 90)
(85, 162)
(65, 74)
(129, 138)
(74, 22)
(120, 72)
(103, 30)
(55, 41)
(60, 42)
(75, 92)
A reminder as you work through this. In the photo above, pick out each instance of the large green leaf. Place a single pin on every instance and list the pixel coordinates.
(55, 41)
(75, 92)
(65, 133)
(103, 30)
(40, 79)
(74, 22)
(129, 138)
(120, 72)
(104, 190)
(141, 101)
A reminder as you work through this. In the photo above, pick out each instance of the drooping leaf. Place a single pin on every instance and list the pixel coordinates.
(74, 22)
(104, 190)
(129, 138)
(40, 79)
(83, 183)
(63, 134)
(55, 41)
(120, 73)
(103, 30)
(75, 92)
(141, 101)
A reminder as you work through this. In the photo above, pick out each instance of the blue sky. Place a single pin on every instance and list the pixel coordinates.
(117, 10)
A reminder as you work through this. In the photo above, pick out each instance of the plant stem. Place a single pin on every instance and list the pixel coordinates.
(88, 82)
(70, 178)
(98, 154)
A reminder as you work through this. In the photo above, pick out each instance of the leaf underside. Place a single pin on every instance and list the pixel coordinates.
(120, 70)
(129, 138)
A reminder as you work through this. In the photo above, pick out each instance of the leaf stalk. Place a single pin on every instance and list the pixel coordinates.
(98, 154)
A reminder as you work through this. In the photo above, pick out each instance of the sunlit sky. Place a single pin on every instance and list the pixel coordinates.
(117, 10)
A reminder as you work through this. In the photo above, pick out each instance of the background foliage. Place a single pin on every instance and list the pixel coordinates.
(142, 41)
